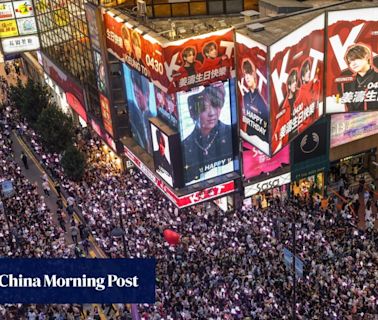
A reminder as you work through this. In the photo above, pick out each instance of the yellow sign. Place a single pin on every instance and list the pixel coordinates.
(8, 28)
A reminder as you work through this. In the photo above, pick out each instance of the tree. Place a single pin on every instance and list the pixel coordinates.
(73, 163)
(30, 99)
(56, 129)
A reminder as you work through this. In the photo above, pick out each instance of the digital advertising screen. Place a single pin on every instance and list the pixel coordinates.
(141, 106)
(200, 59)
(162, 154)
(106, 114)
(206, 132)
(252, 92)
(352, 62)
(348, 127)
(166, 106)
(256, 162)
(296, 75)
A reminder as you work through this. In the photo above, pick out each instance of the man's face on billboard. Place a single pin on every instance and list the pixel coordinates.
(137, 51)
(161, 146)
(359, 65)
(250, 80)
(293, 85)
(189, 57)
(213, 52)
(306, 76)
(209, 116)
(141, 97)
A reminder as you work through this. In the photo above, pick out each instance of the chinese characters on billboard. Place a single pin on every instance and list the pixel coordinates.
(141, 106)
(206, 132)
(172, 66)
(253, 92)
(296, 73)
(255, 162)
(352, 65)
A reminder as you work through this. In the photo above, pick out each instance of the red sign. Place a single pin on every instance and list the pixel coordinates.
(199, 60)
(253, 92)
(172, 66)
(74, 94)
(106, 115)
(352, 65)
(187, 200)
(296, 73)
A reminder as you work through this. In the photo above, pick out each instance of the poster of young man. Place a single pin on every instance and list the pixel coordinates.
(206, 132)
(253, 92)
(199, 60)
(352, 65)
(255, 162)
(161, 154)
(166, 105)
(296, 74)
(141, 106)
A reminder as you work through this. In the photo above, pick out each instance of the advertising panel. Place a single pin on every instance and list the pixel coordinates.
(27, 26)
(206, 132)
(106, 114)
(310, 150)
(162, 155)
(141, 106)
(255, 162)
(352, 62)
(100, 72)
(91, 14)
(352, 126)
(253, 92)
(199, 60)
(23, 8)
(267, 184)
(20, 44)
(296, 67)
(6, 11)
(186, 200)
(167, 107)
(141, 52)
(8, 28)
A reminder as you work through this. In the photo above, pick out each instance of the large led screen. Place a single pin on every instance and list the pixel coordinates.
(255, 162)
(296, 74)
(253, 92)
(352, 62)
(352, 126)
(206, 132)
(167, 107)
(141, 105)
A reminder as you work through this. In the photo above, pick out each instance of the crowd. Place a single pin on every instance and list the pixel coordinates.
(226, 266)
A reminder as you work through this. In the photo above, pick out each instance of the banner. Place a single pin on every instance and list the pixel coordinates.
(106, 114)
(255, 162)
(253, 92)
(206, 132)
(92, 15)
(199, 60)
(267, 185)
(352, 62)
(352, 126)
(296, 66)
(46, 281)
(310, 150)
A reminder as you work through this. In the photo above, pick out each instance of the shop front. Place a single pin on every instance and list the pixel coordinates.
(262, 193)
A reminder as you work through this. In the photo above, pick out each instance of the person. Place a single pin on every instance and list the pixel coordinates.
(358, 95)
(126, 39)
(281, 137)
(24, 159)
(136, 44)
(212, 60)
(254, 106)
(162, 165)
(211, 139)
(190, 65)
(57, 188)
(46, 187)
(139, 111)
(74, 233)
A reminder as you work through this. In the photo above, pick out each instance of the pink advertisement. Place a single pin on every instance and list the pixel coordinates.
(255, 162)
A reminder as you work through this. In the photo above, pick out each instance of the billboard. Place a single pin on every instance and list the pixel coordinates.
(252, 92)
(100, 72)
(199, 60)
(255, 162)
(352, 126)
(6, 11)
(206, 132)
(267, 184)
(141, 106)
(296, 75)
(91, 13)
(106, 114)
(166, 105)
(167, 160)
(8, 28)
(352, 62)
